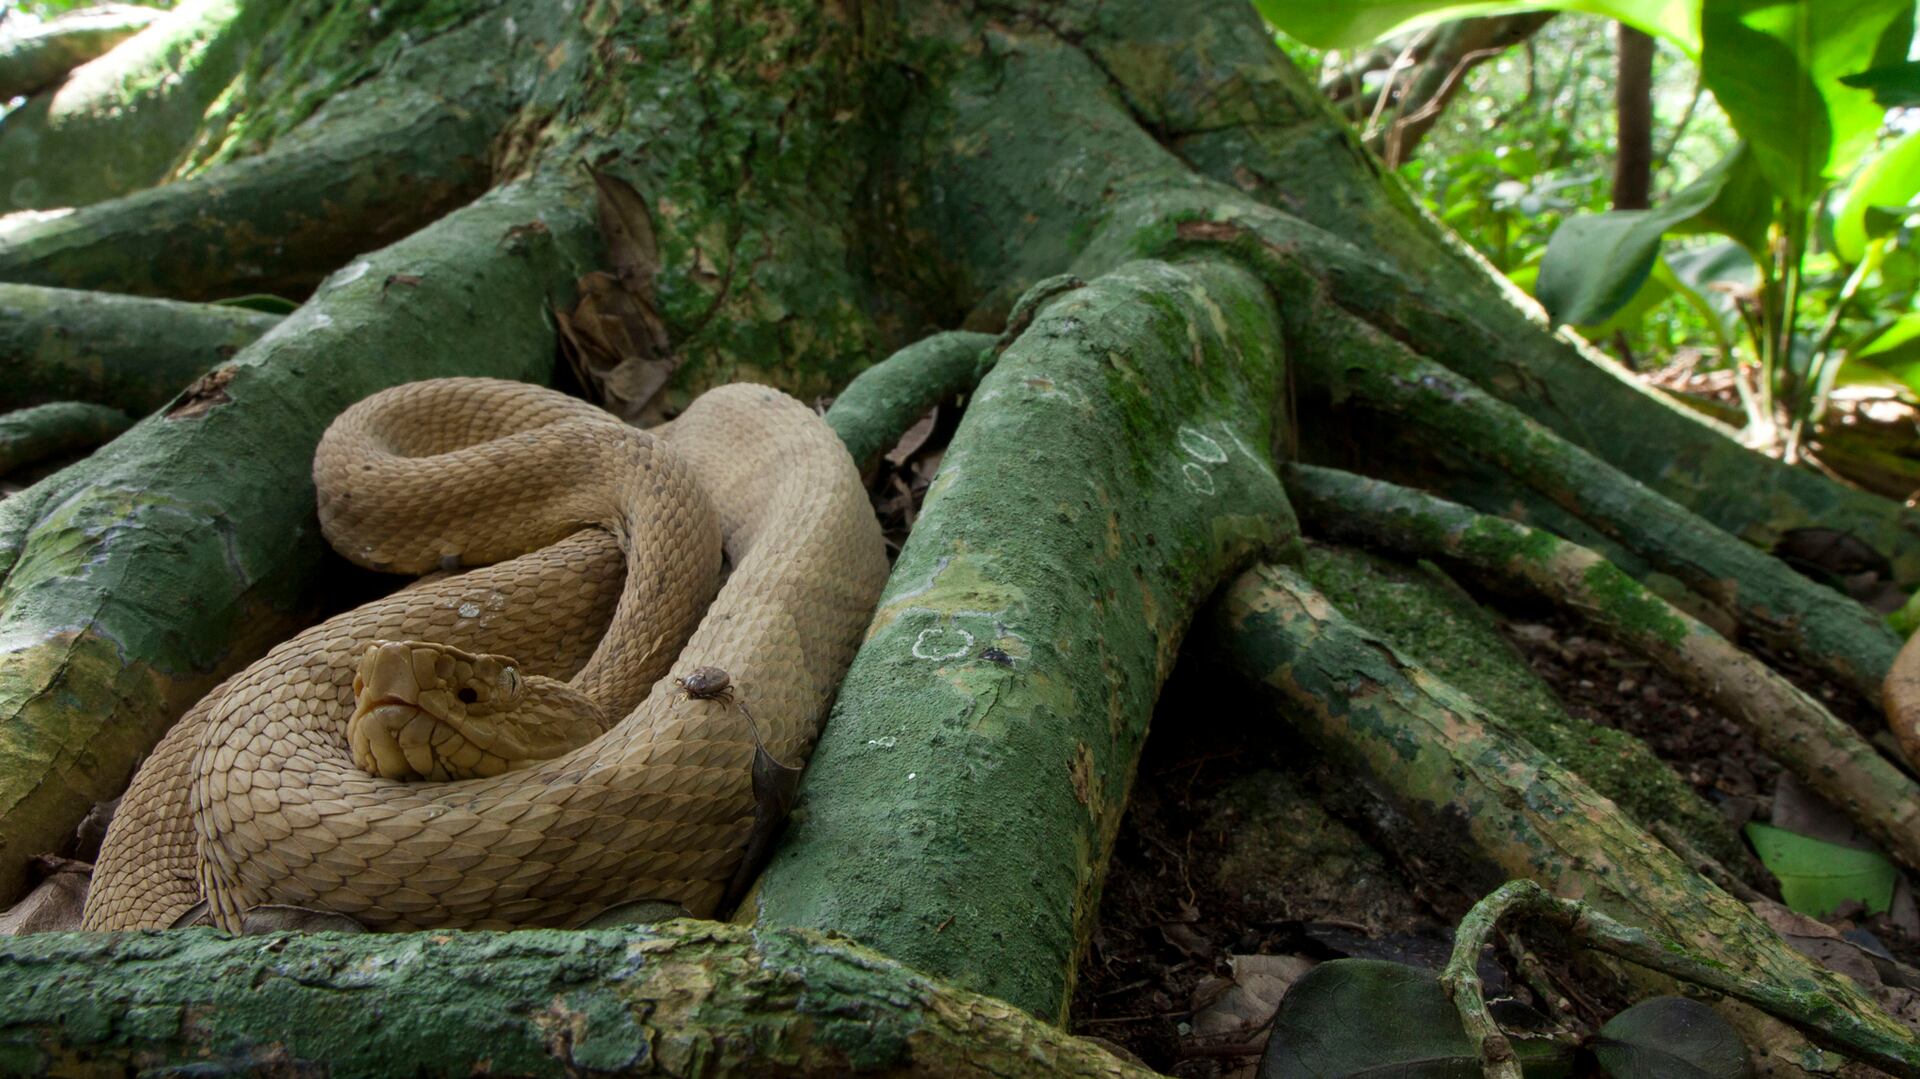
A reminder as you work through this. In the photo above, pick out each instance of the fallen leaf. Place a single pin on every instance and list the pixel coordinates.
(55, 904)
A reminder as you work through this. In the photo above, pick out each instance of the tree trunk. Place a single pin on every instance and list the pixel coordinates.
(1633, 108)
(1168, 268)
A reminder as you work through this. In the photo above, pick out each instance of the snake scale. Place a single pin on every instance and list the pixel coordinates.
(508, 745)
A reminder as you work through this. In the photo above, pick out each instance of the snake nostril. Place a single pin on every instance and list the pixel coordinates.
(467, 695)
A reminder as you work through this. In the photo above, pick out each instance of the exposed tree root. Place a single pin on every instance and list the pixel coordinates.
(34, 434)
(1354, 363)
(683, 998)
(1789, 726)
(274, 223)
(213, 501)
(1466, 787)
(129, 352)
(125, 121)
(1111, 470)
(41, 55)
(885, 399)
(1835, 1029)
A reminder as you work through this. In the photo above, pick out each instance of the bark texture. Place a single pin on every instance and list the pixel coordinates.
(684, 999)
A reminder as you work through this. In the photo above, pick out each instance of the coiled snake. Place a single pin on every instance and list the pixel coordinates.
(498, 799)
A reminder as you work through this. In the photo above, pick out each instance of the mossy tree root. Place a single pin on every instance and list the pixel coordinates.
(1354, 364)
(1593, 929)
(30, 435)
(213, 500)
(274, 223)
(683, 998)
(42, 54)
(1462, 784)
(885, 399)
(1110, 471)
(128, 352)
(1785, 723)
(126, 120)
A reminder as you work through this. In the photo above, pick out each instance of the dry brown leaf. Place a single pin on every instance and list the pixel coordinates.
(55, 904)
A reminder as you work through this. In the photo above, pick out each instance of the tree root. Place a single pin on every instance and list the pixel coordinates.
(885, 399)
(1111, 469)
(274, 223)
(216, 503)
(683, 998)
(1354, 363)
(30, 435)
(1464, 785)
(125, 122)
(1788, 725)
(1827, 1026)
(43, 54)
(128, 352)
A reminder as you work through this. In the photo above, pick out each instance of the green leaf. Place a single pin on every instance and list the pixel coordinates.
(1816, 876)
(1743, 210)
(1596, 263)
(1893, 352)
(1893, 86)
(1776, 68)
(1670, 1038)
(1367, 1017)
(1889, 181)
(272, 305)
(1345, 24)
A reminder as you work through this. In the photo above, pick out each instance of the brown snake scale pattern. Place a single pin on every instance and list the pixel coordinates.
(599, 548)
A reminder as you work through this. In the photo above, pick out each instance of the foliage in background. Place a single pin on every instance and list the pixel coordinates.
(1761, 141)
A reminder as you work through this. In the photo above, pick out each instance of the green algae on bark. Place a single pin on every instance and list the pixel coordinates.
(683, 998)
(131, 582)
(1436, 625)
(1464, 784)
(129, 352)
(964, 797)
(1792, 728)
(58, 427)
(885, 399)
(1353, 363)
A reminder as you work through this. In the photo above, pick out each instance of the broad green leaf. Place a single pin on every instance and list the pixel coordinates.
(1596, 263)
(1743, 210)
(1706, 278)
(1670, 1038)
(1776, 68)
(1816, 876)
(1895, 350)
(1367, 1017)
(1346, 24)
(1894, 86)
(1889, 181)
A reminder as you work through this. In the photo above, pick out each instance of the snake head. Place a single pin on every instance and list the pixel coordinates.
(422, 710)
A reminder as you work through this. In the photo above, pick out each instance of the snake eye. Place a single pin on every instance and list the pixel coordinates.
(468, 695)
(509, 682)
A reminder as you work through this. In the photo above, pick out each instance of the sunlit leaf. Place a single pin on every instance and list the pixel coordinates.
(1596, 263)
(1816, 876)
(1776, 67)
(1349, 23)
(1891, 180)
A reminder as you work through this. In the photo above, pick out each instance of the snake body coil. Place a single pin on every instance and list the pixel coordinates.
(599, 547)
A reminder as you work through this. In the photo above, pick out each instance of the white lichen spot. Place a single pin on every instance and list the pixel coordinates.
(887, 742)
(1198, 478)
(350, 274)
(937, 643)
(1200, 446)
(913, 775)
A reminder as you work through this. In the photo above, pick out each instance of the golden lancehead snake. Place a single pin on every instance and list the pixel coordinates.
(510, 745)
